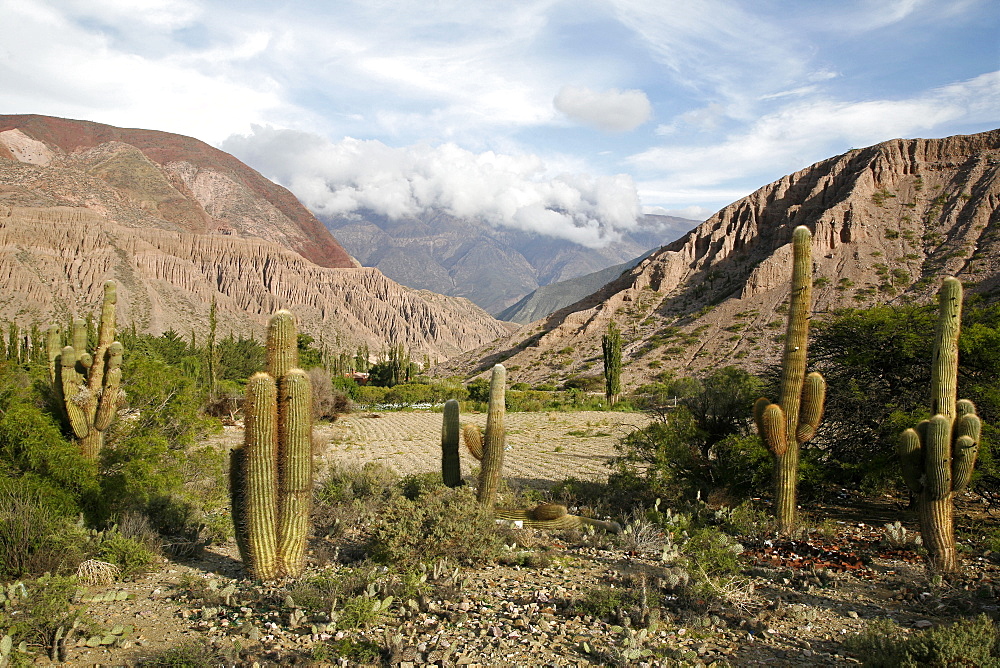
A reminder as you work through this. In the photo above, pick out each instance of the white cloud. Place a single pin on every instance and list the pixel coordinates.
(611, 110)
(799, 134)
(504, 190)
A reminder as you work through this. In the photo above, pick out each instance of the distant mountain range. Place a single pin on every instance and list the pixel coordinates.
(177, 224)
(491, 266)
(554, 296)
(888, 221)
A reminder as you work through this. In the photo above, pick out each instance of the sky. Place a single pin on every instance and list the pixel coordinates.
(566, 117)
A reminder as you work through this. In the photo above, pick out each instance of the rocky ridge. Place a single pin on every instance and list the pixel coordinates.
(888, 222)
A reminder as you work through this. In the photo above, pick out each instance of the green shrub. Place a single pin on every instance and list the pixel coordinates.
(345, 483)
(44, 606)
(712, 552)
(130, 555)
(965, 643)
(742, 465)
(417, 485)
(192, 654)
(361, 651)
(445, 523)
(32, 444)
(34, 537)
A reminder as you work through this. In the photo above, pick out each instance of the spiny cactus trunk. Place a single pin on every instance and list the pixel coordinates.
(938, 457)
(611, 345)
(494, 440)
(295, 474)
(451, 469)
(792, 421)
(261, 482)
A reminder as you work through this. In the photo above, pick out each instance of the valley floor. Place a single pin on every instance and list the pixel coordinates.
(795, 605)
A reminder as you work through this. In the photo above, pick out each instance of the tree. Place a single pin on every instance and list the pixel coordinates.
(611, 343)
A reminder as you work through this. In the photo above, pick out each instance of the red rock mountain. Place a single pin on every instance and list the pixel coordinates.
(177, 224)
(183, 181)
(888, 222)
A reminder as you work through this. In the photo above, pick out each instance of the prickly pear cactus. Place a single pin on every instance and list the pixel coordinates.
(938, 457)
(88, 384)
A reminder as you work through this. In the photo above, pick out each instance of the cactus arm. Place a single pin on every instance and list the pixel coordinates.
(282, 344)
(937, 457)
(105, 338)
(294, 469)
(260, 445)
(473, 439)
(451, 471)
(110, 395)
(53, 346)
(80, 342)
(71, 390)
(758, 413)
(963, 461)
(238, 500)
(811, 413)
(560, 523)
(494, 439)
(911, 458)
(774, 424)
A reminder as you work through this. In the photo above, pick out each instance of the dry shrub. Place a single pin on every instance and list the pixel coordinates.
(328, 403)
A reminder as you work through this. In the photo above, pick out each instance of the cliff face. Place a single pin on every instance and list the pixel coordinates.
(54, 261)
(182, 183)
(177, 224)
(888, 222)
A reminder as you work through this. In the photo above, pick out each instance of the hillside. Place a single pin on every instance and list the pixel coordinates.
(554, 296)
(888, 221)
(492, 266)
(177, 224)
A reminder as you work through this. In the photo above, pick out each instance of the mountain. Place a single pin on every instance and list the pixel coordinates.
(177, 224)
(554, 296)
(492, 266)
(888, 222)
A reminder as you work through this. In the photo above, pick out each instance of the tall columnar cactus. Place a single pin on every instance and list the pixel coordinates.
(271, 474)
(938, 456)
(451, 470)
(494, 440)
(88, 385)
(611, 345)
(784, 426)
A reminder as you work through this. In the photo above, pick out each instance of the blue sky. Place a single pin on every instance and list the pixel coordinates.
(563, 116)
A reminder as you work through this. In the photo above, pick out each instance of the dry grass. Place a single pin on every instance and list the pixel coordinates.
(542, 448)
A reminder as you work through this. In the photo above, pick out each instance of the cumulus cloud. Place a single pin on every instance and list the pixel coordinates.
(611, 110)
(504, 190)
(796, 135)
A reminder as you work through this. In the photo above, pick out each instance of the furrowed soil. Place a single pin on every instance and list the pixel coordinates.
(795, 603)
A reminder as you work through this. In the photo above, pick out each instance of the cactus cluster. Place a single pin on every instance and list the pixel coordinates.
(786, 425)
(271, 473)
(88, 384)
(938, 457)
